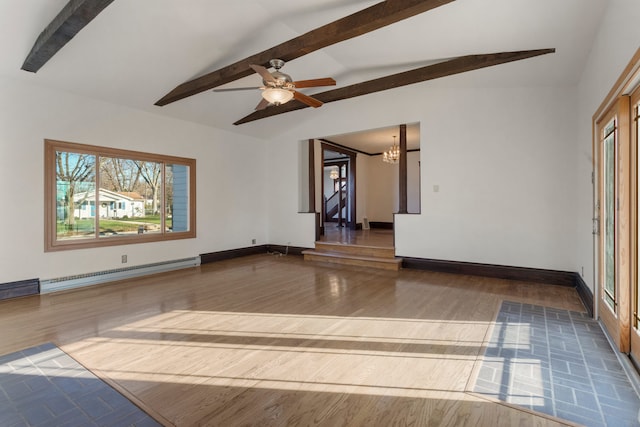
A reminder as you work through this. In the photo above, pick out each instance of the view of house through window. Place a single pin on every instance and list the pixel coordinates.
(106, 194)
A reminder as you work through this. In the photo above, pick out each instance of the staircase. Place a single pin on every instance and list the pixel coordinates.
(364, 256)
(331, 205)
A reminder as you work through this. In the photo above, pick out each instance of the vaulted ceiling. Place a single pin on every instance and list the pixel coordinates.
(135, 52)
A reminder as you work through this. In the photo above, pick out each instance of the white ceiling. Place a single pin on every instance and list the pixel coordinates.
(375, 141)
(136, 51)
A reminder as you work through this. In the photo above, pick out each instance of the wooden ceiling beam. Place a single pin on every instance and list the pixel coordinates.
(359, 23)
(450, 67)
(72, 18)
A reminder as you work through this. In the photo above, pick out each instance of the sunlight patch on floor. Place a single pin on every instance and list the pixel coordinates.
(294, 352)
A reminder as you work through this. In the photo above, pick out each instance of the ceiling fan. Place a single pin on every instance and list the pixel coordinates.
(279, 88)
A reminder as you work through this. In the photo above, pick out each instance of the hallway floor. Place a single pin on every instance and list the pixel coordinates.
(373, 237)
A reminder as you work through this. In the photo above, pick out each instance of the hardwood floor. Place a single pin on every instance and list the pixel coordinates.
(372, 237)
(266, 340)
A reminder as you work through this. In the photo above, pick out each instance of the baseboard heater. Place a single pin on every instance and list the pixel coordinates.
(88, 279)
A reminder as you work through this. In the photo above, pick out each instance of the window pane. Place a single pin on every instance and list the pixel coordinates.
(177, 198)
(75, 195)
(609, 216)
(128, 197)
(609, 128)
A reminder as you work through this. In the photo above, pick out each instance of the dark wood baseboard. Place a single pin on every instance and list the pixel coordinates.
(251, 250)
(286, 250)
(20, 288)
(552, 277)
(525, 274)
(381, 225)
(232, 253)
(585, 293)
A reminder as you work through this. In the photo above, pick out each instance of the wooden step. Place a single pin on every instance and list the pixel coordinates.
(357, 250)
(349, 259)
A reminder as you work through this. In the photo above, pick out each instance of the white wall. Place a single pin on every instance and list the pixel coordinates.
(616, 43)
(503, 158)
(505, 180)
(382, 189)
(230, 206)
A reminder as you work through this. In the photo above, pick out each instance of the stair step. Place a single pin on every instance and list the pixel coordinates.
(357, 250)
(349, 259)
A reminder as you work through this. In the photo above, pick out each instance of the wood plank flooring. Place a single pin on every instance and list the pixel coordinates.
(267, 340)
(372, 237)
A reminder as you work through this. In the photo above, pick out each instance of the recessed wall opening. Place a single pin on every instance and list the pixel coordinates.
(361, 177)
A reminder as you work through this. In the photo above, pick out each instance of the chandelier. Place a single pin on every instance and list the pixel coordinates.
(334, 174)
(392, 155)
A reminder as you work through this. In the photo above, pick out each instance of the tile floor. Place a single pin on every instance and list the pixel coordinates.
(557, 362)
(43, 386)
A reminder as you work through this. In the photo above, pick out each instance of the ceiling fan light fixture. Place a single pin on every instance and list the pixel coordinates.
(277, 96)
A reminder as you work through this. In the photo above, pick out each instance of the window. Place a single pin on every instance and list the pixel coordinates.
(97, 196)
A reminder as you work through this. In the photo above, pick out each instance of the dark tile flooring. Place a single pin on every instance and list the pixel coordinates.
(43, 386)
(557, 362)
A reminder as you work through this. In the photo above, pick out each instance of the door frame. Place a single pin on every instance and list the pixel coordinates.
(634, 330)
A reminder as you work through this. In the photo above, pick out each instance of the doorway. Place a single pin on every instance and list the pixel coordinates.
(338, 186)
(371, 197)
(616, 207)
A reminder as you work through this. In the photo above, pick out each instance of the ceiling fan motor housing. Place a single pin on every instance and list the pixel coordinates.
(281, 78)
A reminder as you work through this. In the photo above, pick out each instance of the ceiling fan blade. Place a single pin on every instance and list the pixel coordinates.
(327, 81)
(311, 102)
(264, 73)
(233, 89)
(262, 104)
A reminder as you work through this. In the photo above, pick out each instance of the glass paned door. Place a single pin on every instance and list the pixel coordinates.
(616, 165)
